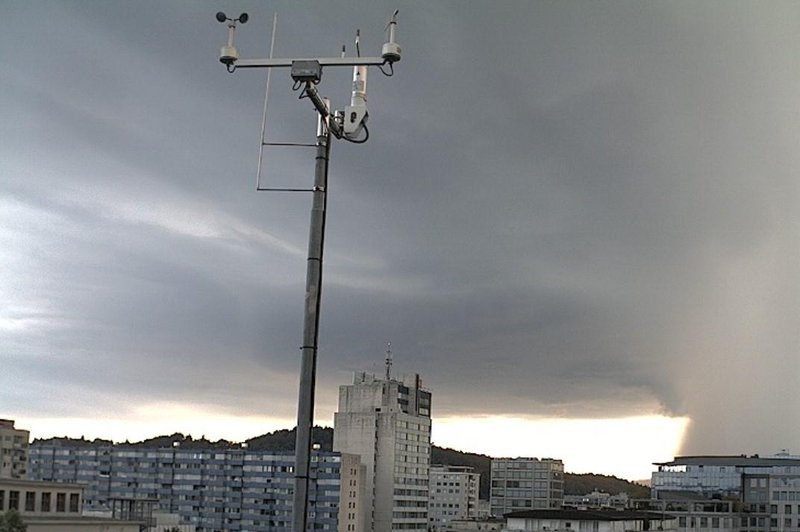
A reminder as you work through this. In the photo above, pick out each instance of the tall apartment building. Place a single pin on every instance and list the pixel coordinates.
(13, 450)
(453, 494)
(212, 490)
(526, 483)
(387, 423)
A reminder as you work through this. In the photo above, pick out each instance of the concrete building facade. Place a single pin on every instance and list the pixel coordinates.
(54, 507)
(710, 515)
(519, 484)
(453, 494)
(13, 450)
(387, 423)
(212, 490)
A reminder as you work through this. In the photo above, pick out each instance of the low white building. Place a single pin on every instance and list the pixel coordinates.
(597, 500)
(54, 507)
(13, 450)
(453, 494)
(567, 520)
(706, 515)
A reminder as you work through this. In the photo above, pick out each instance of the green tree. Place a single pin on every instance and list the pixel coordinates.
(12, 522)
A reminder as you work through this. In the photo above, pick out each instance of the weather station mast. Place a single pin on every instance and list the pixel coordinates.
(350, 125)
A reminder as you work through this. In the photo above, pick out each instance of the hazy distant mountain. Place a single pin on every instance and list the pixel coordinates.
(283, 440)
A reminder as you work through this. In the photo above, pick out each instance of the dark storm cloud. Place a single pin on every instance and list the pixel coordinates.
(571, 209)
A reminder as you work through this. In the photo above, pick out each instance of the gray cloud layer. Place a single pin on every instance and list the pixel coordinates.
(572, 209)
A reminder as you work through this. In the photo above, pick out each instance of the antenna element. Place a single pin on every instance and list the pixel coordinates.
(388, 361)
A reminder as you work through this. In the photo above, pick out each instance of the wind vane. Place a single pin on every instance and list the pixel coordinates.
(349, 124)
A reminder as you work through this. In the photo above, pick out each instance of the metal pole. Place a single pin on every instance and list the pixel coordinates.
(308, 365)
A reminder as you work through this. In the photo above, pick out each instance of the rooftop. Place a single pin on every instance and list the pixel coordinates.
(740, 460)
(588, 515)
(24, 483)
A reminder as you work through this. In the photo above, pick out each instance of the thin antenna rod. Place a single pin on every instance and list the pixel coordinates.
(266, 101)
(388, 361)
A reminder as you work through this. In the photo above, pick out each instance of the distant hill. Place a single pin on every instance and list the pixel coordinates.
(479, 462)
(186, 442)
(283, 440)
(575, 484)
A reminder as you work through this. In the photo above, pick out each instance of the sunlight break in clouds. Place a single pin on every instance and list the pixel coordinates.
(625, 447)
(157, 419)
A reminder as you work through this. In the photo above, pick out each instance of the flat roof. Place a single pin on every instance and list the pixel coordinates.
(740, 460)
(22, 482)
(76, 520)
(588, 515)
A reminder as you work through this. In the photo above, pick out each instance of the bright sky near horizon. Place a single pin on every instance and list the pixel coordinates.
(577, 221)
(585, 445)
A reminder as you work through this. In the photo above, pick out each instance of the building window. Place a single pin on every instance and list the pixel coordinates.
(13, 500)
(73, 502)
(61, 502)
(44, 504)
(30, 501)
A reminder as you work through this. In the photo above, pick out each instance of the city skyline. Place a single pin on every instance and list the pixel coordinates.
(577, 221)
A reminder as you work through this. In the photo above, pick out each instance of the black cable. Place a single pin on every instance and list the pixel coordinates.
(303, 93)
(296, 86)
(391, 70)
(359, 141)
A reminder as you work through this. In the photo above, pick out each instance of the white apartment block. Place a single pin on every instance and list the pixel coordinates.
(13, 450)
(453, 494)
(526, 483)
(387, 423)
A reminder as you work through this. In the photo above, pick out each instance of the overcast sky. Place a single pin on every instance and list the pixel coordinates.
(565, 210)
